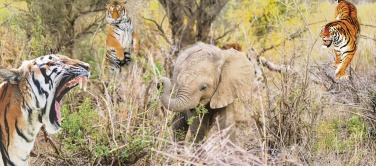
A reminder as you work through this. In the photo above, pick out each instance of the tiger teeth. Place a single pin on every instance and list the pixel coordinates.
(70, 84)
(84, 83)
(60, 120)
(80, 83)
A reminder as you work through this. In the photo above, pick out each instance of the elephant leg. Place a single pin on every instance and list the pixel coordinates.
(226, 119)
(200, 125)
(180, 126)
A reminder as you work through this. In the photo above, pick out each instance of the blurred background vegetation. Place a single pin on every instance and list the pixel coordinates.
(303, 117)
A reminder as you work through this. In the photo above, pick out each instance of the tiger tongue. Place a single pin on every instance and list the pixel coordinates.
(57, 109)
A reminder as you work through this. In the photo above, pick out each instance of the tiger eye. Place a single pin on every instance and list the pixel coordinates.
(51, 63)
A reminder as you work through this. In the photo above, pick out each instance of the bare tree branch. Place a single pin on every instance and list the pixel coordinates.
(227, 32)
(160, 28)
(320, 74)
(368, 25)
(252, 55)
(291, 37)
(366, 37)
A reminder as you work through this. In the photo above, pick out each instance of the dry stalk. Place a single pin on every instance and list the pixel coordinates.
(215, 150)
(107, 101)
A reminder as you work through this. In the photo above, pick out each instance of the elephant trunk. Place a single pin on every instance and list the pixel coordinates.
(182, 102)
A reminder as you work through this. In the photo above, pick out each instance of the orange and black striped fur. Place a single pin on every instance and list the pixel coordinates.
(343, 34)
(30, 97)
(345, 10)
(120, 37)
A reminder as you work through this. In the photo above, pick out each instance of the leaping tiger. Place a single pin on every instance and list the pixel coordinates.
(343, 34)
(120, 37)
(30, 97)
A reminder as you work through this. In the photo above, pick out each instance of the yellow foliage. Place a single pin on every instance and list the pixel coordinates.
(5, 5)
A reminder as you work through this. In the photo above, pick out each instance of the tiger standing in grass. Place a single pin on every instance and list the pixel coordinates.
(120, 37)
(30, 97)
(343, 33)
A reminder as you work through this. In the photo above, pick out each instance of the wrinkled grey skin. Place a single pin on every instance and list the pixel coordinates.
(213, 77)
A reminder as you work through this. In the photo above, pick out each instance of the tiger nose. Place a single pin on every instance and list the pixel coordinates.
(116, 15)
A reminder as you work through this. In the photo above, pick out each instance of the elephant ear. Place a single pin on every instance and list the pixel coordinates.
(236, 79)
(13, 76)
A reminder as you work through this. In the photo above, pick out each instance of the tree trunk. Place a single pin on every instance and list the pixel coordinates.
(190, 21)
(208, 11)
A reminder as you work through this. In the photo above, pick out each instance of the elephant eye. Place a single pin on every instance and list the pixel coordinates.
(203, 88)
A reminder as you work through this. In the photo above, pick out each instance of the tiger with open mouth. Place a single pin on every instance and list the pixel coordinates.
(30, 97)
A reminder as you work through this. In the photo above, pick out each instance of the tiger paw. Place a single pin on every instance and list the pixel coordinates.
(335, 64)
(341, 74)
(127, 58)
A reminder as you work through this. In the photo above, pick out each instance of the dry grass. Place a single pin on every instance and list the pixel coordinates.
(216, 150)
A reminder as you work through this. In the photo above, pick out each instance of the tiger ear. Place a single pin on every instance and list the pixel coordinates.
(13, 76)
(125, 2)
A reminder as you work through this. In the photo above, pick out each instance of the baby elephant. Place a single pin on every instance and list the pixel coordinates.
(212, 79)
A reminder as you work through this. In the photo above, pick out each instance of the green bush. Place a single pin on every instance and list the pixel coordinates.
(328, 136)
(356, 125)
(78, 127)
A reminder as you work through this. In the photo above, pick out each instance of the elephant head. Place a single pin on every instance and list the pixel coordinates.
(205, 74)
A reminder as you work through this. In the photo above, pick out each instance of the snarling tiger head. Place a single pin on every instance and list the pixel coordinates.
(116, 12)
(326, 35)
(42, 83)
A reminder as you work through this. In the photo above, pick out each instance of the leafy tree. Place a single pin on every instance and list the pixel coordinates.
(268, 18)
(55, 26)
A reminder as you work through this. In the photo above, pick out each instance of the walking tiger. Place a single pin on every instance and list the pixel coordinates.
(343, 34)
